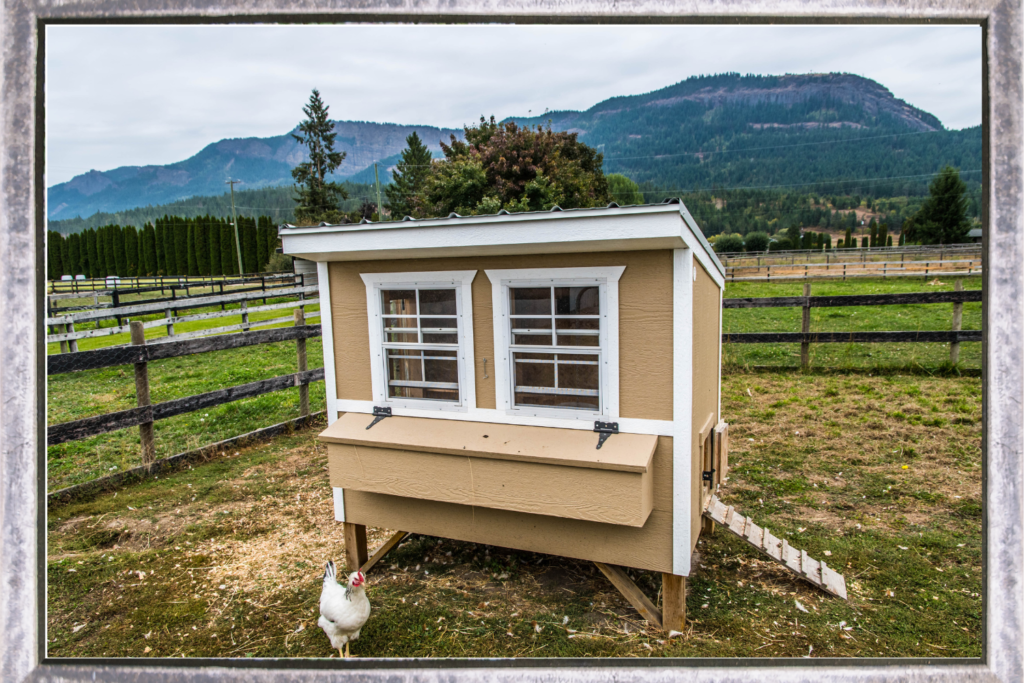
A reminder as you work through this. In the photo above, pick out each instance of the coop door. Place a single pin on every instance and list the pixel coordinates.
(714, 457)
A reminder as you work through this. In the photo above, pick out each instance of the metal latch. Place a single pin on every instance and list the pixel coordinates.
(379, 414)
(605, 429)
(707, 474)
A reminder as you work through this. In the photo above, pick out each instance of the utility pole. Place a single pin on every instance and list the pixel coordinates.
(234, 217)
(376, 178)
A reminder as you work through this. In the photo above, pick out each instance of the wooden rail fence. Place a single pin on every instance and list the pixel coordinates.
(68, 337)
(140, 353)
(856, 269)
(805, 337)
(106, 284)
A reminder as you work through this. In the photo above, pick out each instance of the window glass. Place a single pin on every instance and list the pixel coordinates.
(545, 319)
(421, 342)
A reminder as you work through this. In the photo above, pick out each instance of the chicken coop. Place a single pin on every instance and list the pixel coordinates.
(545, 381)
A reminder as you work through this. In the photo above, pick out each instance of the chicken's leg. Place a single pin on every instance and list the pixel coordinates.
(346, 648)
(341, 652)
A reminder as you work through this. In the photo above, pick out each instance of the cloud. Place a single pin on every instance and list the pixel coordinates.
(134, 95)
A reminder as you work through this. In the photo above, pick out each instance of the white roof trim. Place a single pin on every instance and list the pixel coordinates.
(652, 226)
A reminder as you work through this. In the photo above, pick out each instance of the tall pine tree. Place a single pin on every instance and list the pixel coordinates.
(190, 236)
(91, 252)
(149, 248)
(131, 251)
(202, 246)
(319, 199)
(213, 235)
(180, 246)
(408, 178)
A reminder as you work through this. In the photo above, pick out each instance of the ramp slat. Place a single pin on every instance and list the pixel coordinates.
(797, 561)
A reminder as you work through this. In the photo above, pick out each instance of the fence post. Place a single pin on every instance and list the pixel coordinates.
(142, 395)
(263, 285)
(805, 328)
(222, 294)
(170, 325)
(115, 298)
(245, 316)
(63, 329)
(958, 316)
(300, 351)
(72, 343)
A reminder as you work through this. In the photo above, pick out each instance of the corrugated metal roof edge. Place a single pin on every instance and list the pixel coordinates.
(370, 225)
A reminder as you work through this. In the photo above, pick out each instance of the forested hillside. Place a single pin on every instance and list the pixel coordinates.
(830, 134)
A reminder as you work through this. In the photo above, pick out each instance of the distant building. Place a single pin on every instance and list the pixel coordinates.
(975, 235)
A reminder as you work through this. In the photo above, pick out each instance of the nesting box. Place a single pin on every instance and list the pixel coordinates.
(544, 381)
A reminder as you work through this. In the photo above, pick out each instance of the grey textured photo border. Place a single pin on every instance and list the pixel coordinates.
(23, 375)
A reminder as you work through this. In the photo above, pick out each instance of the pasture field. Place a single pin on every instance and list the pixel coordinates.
(880, 475)
(914, 317)
(78, 395)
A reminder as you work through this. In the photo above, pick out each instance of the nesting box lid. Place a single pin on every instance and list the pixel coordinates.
(549, 445)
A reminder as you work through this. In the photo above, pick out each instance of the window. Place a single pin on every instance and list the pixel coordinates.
(556, 341)
(420, 338)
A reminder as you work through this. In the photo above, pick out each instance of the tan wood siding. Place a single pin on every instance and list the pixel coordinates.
(645, 322)
(648, 547)
(608, 496)
(706, 340)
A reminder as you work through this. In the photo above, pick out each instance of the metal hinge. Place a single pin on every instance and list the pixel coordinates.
(605, 429)
(707, 474)
(379, 414)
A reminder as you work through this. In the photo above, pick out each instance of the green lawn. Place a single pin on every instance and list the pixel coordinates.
(879, 476)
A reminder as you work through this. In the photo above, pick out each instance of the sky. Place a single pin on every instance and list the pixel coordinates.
(137, 95)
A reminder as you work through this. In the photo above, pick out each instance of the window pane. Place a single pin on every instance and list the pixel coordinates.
(442, 371)
(577, 300)
(530, 300)
(579, 340)
(557, 401)
(532, 339)
(399, 301)
(534, 374)
(404, 367)
(440, 338)
(573, 376)
(402, 337)
(577, 324)
(531, 323)
(437, 302)
(446, 323)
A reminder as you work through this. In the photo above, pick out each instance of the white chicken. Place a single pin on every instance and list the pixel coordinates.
(343, 609)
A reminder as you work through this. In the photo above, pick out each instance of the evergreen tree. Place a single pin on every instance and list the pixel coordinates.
(180, 239)
(228, 260)
(888, 240)
(213, 237)
(873, 232)
(158, 247)
(75, 253)
(248, 237)
(203, 246)
(847, 241)
(828, 241)
(131, 251)
(903, 238)
(942, 218)
(54, 267)
(319, 199)
(117, 244)
(65, 256)
(407, 180)
(190, 237)
(92, 253)
(883, 235)
(149, 248)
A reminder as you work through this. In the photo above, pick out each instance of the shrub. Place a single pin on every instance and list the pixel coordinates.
(728, 243)
(756, 241)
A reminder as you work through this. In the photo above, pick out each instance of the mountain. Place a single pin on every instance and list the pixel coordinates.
(257, 162)
(836, 133)
(829, 131)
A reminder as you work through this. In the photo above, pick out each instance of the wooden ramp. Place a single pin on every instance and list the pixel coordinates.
(797, 561)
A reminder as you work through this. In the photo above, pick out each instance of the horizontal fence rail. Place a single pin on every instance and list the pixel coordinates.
(91, 285)
(853, 300)
(915, 252)
(133, 417)
(127, 355)
(884, 269)
(850, 337)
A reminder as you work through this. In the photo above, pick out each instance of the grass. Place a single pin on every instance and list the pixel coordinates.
(879, 476)
(914, 317)
(76, 395)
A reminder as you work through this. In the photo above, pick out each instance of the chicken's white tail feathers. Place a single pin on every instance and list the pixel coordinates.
(330, 574)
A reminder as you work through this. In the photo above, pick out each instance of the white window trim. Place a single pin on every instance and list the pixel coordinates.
(462, 280)
(608, 278)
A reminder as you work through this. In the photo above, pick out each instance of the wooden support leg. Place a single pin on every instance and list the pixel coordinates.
(707, 526)
(673, 602)
(632, 593)
(355, 546)
(388, 546)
